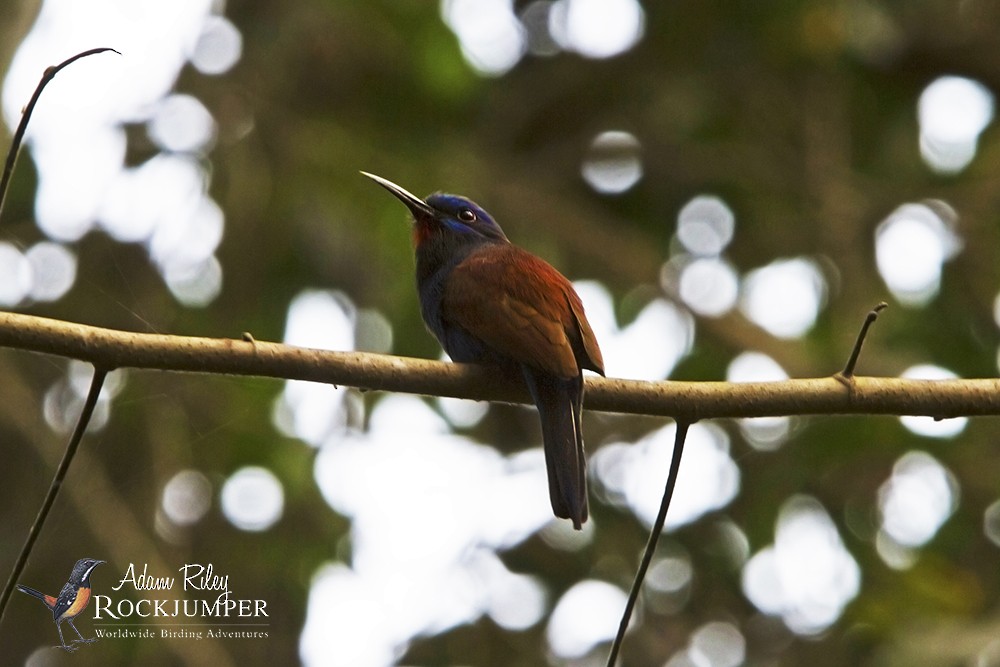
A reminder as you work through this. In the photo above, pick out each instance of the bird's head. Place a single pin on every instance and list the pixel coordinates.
(442, 216)
(83, 568)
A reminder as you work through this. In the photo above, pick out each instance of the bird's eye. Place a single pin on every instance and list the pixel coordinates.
(467, 215)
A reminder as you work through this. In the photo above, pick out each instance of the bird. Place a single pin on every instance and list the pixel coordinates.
(71, 601)
(487, 301)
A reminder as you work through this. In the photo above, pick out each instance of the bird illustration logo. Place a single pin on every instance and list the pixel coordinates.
(489, 302)
(71, 601)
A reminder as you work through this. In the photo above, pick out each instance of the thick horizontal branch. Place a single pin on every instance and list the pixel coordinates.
(109, 349)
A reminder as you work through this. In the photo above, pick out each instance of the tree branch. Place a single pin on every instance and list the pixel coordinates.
(690, 401)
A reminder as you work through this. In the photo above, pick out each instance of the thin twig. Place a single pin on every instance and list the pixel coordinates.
(50, 498)
(654, 536)
(848, 371)
(15, 144)
(99, 373)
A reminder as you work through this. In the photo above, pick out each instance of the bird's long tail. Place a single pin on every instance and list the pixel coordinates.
(559, 402)
(46, 599)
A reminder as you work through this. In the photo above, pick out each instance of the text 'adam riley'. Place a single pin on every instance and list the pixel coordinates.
(195, 577)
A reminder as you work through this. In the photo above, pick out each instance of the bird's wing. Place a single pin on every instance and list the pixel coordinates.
(523, 308)
(588, 353)
(67, 596)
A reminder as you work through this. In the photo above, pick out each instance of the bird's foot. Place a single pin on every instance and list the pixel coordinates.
(69, 648)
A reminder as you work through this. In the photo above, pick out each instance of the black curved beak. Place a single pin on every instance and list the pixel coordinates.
(418, 207)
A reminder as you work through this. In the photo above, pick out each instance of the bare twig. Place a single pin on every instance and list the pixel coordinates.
(99, 373)
(15, 144)
(654, 536)
(848, 371)
(50, 498)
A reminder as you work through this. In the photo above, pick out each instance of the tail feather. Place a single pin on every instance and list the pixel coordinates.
(47, 600)
(559, 402)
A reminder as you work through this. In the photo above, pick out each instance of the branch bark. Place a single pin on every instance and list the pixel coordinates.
(691, 401)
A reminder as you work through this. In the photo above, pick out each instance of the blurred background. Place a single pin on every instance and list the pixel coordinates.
(732, 186)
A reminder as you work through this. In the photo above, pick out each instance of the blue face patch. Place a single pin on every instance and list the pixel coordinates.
(463, 215)
(458, 227)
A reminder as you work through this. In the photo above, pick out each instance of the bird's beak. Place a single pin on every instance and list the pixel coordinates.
(418, 207)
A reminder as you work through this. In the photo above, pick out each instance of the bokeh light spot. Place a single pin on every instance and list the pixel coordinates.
(586, 615)
(76, 165)
(189, 235)
(807, 577)
(709, 286)
(613, 164)
(991, 522)
(219, 46)
(762, 433)
(253, 499)
(181, 123)
(15, 275)
(64, 398)
(358, 643)
(535, 19)
(784, 297)
(311, 411)
(705, 225)
(187, 497)
(195, 285)
(953, 112)
(373, 331)
(491, 37)
(53, 270)
(460, 501)
(517, 601)
(929, 426)
(634, 474)
(911, 245)
(597, 28)
(80, 374)
(649, 347)
(755, 367)
(462, 413)
(670, 574)
(917, 499)
(718, 644)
